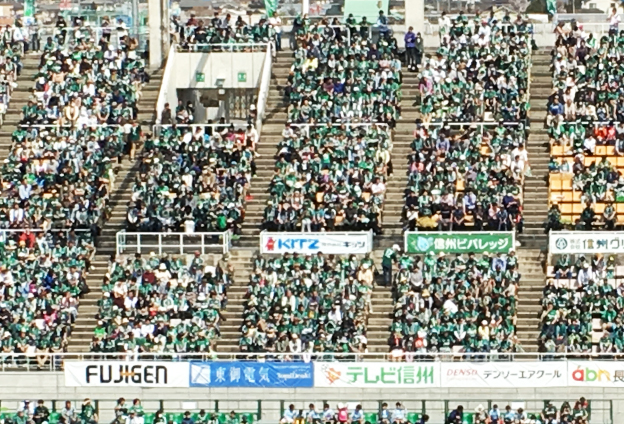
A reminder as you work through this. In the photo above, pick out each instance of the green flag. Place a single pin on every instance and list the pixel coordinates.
(551, 7)
(270, 6)
(29, 8)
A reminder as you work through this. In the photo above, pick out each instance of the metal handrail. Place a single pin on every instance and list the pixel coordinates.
(182, 247)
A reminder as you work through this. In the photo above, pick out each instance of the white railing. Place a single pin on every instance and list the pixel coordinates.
(164, 86)
(157, 128)
(54, 361)
(220, 47)
(173, 243)
(306, 127)
(265, 83)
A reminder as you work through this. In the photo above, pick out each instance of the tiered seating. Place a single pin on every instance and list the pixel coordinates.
(196, 34)
(467, 178)
(59, 177)
(477, 91)
(42, 276)
(160, 305)
(586, 164)
(300, 304)
(192, 177)
(582, 304)
(11, 51)
(454, 305)
(93, 83)
(329, 177)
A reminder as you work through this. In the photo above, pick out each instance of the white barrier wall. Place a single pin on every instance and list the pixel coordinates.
(17, 386)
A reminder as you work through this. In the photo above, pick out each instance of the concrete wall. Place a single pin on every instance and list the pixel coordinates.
(217, 66)
(17, 386)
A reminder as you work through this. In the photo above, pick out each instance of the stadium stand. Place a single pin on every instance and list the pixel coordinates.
(432, 313)
(160, 305)
(327, 313)
(184, 163)
(586, 185)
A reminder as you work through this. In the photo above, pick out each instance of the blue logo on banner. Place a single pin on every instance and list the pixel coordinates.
(251, 374)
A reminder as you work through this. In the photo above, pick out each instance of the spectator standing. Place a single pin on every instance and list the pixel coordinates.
(390, 256)
(410, 49)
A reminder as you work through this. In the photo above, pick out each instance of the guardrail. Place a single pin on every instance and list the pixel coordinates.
(55, 361)
(220, 47)
(173, 243)
(265, 85)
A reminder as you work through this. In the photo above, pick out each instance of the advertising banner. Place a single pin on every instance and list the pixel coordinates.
(118, 373)
(562, 242)
(596, 373)
(503, 374)
(425, 242)
(312, 243)
(251, 374)
(376, 374)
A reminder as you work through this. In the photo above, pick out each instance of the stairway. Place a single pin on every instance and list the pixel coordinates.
(275, 119)
(242, 260)
(19, 98)
(392, 224)
(529, 297)
(121, 193)
(535, 210)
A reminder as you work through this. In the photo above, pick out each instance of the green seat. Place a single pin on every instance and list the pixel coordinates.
(54, 418)
(194, 416)
(148, 418)
(222, 417)
(413, 417)
(468, 418)
(370, 417)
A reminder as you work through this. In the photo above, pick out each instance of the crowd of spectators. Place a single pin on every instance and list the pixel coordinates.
(332, 173)
(42, 276)
(344, 413)
(214, 33)
(161, 304)
(329, 177)
(550, 414)
(463, 178)
(337, 77)
(12, 49)
(582, 113)
(481, 69)
(316, 303)
(584, 289)
(193, 178)
(449, 305)
(59, 177)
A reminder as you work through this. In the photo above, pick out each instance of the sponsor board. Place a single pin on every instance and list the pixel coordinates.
(118, 373)
(503, 374)
(425, 242)
(586, 242)
(376, 374)
(312, 243)
(251, 374)
(596, 373)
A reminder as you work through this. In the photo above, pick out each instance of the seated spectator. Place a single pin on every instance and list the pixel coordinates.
(43, 278)
(481, 67)
(160, 305)
(466, 178)
(302, 304)
(435, 314)
(332, 178)
(188, 177)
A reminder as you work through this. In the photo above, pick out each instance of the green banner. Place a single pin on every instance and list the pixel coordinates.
(425, 242)
(270, 6)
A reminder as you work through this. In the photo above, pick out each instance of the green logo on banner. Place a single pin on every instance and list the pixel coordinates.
(425, 242)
